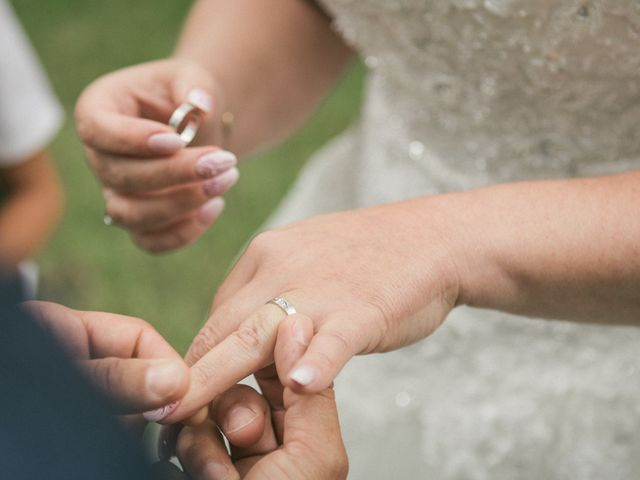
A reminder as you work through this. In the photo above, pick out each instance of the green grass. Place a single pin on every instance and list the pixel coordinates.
(89, 266)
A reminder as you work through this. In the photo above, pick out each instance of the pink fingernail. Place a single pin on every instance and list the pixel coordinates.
(304, 375)
(221, 183)
(165, 143)
(160, 413)
(211, 210)
(201, 99)
(213, 163)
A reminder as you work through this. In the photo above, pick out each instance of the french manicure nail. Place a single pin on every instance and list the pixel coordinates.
(213, 163)
(165, 143)
(211, 210)
(303, 375)
(164, 378)
(200, 99)
(238, 418)
(221, 183)
(160, 413)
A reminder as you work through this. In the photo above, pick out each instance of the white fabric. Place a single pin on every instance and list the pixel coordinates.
(465, 93)
(30, 115)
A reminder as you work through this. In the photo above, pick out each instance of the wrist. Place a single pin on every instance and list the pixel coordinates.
(456, 227)
(480, 242)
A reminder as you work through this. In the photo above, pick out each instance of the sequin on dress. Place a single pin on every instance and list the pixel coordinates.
(465, 93)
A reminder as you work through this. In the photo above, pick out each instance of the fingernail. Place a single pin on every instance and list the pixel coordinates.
(164, 378)
(217, 471)
(213, 163)
(299, 334)
(303, 375)
(238, 418)
(221, 183)
(160, 413)
(200, 99)
(211, 210)
(165, 143)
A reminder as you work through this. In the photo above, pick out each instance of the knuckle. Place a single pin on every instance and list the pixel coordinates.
(144, 326)
(191, 198)
(221, 295)
(148, 244)
(148, 178)
(111, 175)
(201, 377)
(257, 336)
(205, 341)
(248, 337)
(110, 376)
(178, 237)
(124, 215)
(262, 243)
(325, 361)
(179, 170)
(338, 337)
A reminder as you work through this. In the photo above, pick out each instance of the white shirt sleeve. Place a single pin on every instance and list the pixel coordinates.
(30, 114)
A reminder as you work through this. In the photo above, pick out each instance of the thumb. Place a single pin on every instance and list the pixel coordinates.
(335, 343)
(195, 85)
(311, 425)
(137, 385)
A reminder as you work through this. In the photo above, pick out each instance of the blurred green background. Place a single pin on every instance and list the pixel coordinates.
(92, 267)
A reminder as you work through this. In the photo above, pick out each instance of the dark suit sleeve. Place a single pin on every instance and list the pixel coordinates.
(53, 425)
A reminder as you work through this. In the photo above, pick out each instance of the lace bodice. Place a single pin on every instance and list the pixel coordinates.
(493, 90)
(463, 93)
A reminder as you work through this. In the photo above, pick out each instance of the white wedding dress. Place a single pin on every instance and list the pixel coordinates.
(465, 93)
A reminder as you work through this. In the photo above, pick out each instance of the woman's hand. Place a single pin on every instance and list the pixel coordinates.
(362, 281)
(164, 194)
(296, 437)
(130, 363)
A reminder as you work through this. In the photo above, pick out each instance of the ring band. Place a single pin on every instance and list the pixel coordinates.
(185, 120)
(107, 220)
(283, 304)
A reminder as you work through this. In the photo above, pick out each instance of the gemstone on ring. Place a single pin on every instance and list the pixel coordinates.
(284, 305)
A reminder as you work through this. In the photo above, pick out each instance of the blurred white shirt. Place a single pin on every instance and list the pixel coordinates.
(30, 114)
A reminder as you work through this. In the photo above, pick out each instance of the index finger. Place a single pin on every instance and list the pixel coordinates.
(247, 350)
(100, 335)
(124, 135)
(109, 118)
(120, 336)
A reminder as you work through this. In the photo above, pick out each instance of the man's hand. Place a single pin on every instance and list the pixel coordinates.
(135, 368)
(295, 438)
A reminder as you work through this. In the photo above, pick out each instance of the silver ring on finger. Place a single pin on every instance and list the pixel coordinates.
(185, 120)
(283, 304)
(107, 220)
